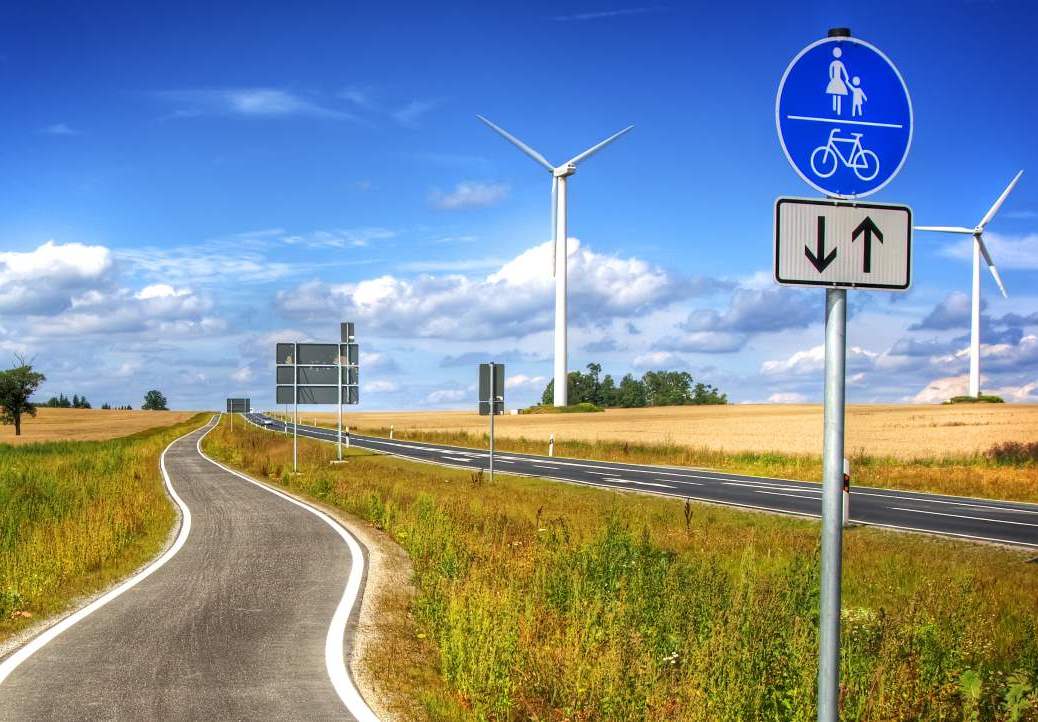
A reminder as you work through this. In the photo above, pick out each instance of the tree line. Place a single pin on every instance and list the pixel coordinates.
(19, 383)
(654, 388)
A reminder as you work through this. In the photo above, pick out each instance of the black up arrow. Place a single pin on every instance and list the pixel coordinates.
(869, 228)
(818, 259)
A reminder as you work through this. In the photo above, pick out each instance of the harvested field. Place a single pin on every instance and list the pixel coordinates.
(905, 431)
(88, 424)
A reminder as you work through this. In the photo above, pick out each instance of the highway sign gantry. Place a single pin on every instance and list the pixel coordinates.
(844, 117)
(842, 244)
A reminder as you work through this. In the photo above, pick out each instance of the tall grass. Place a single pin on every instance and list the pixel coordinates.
(75, 515)
(548, 601)
(1007, 471)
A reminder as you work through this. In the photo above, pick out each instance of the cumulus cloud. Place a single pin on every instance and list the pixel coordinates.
(516, 300)
(380, 386)
(941, 389)
(469, 194)
(812, 360)
(521, 382)
(658, 360)
(47, 279)
(953, 312)
(1007, 251)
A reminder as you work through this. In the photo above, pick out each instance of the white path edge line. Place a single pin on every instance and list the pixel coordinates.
(334, 652)
(37, 643)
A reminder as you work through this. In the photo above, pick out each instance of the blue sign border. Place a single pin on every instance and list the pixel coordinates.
(778, 124)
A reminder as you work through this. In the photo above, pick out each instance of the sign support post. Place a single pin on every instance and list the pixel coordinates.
(340, 407)
(295, 411)
(493, 413)
(832, 505)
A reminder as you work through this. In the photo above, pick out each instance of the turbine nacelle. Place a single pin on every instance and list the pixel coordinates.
(565, 170)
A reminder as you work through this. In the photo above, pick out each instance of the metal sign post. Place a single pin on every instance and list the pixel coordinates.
(844, 120)
(317, 373)
(491, 398)
(832, 504)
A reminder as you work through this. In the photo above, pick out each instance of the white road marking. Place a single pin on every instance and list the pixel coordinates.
(334, 651)
(779, 493)
(38, 642)
(653, 483)
(965, 516)
(457, 458)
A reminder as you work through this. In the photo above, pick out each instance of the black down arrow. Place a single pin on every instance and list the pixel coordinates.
(818, 259)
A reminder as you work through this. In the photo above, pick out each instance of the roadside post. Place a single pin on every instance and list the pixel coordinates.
(317, 373)
(846, 493)
(844, 121)
(551, 445)
(491, 398)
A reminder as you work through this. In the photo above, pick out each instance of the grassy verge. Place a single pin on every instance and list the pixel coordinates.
(75, 516)
(963, 475)
(547, 601)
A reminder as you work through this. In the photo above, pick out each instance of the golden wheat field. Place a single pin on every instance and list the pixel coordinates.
(88, 424)
(903, 431)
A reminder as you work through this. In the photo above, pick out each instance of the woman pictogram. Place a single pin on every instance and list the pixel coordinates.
(838, 79)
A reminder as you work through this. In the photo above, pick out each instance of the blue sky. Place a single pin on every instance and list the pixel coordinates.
(186, 185)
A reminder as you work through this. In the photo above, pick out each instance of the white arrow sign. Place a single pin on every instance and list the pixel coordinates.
(843, 244)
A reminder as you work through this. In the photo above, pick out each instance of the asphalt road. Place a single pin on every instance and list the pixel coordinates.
(233, 626)
(970, 518)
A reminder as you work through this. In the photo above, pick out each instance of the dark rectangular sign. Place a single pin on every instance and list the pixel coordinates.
(486, 378)
(239, 406)
(317, 395)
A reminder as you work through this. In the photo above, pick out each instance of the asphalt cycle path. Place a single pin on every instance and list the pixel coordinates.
(245, 617)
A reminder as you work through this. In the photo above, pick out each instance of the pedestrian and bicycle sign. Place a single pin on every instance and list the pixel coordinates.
(838, 244)
(844, 117)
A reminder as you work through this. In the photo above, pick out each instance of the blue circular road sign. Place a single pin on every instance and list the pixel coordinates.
(844, 117)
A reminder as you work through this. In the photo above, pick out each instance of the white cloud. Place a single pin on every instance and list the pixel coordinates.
(447, 396)
(520, 382)
(243, 375)
(1024, 394)
(60, 129)
(45, 280)
(787, 398)
(658, 360)
(252, 102)
(409, 115)
(469, 194)
(1007, 251)
(940, 390)
(380, 387)
(812, 360)
(514, 301)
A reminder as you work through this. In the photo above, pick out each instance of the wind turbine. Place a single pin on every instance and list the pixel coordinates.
(979, 249)
(559, 174)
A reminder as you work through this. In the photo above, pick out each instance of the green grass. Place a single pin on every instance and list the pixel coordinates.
(981, 399)
(582, 408)
(548, 601)
(76, 515)
(1006, 471)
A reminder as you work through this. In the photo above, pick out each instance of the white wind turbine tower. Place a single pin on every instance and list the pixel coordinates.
(559, 174)
(979, 249)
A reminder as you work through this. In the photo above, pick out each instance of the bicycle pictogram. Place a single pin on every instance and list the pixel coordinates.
(825, 159)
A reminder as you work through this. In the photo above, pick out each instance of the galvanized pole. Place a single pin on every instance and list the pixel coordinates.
(295, 409)
(832, 505)
(340, 403)
(493, 409)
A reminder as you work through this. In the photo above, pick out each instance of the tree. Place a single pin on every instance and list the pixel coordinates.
(608, 392)
(154, 401)
(631, 393)
(17, 385)
(106, 406)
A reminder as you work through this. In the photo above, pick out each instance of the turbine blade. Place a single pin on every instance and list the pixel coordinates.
(519, 144)
(991, 266)
(554, 221)
(945, 229)
(998, 204)
(595, 148)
